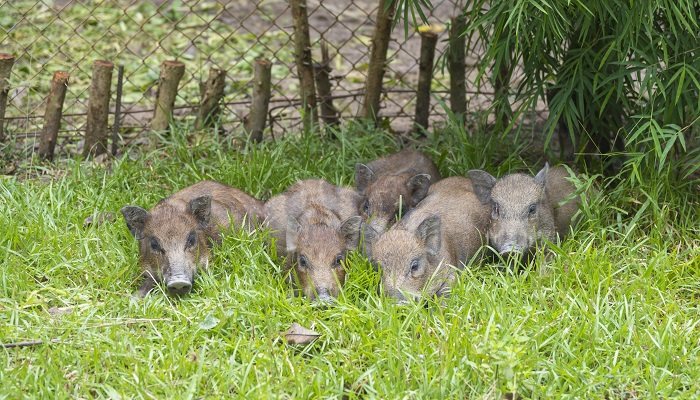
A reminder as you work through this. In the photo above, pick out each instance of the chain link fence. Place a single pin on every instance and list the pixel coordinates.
(69, 35)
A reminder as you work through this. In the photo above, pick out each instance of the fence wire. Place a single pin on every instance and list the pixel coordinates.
(69, 35)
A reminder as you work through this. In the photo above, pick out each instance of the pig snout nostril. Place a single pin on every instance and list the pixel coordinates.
(323, 295)
(179, 286)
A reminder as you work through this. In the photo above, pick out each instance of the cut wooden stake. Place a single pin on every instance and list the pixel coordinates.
(457, 68)
(52, 116)
(6, 63)
(261, 100)
(170, 74)
(96, 132)
(304, 62)
(377, 59)
(211, 98)
(425, 76)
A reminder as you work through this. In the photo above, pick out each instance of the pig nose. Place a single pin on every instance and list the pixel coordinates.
(179, 286)
(508, 249)
(323, 295)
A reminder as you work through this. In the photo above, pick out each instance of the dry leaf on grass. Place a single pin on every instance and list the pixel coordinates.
(297, 334)
(54, 311)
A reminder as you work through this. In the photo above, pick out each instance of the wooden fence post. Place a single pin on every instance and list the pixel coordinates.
(96, 132)
(6, 63)
(425, 77)
(304, 61)
(52, 116)
(261, 100)
(377, 59)
(211, 98)
(170, 74)
(457, 68)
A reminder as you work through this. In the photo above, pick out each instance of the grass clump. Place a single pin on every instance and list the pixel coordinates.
(614, 315)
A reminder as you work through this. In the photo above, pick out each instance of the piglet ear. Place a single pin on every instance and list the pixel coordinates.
(363, 177)
(418, 185)
(431, 235)
(293, 229)
(200, 207)
(482, 183)
(135, 218)
(541, 177)
(350, 229)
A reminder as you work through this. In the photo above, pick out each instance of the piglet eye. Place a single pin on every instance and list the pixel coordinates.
(302, 262)
(496, 210)
(191, 238)
(155, 246)
(337, 261)
(415, 266)
(365, 207)
(532, 209)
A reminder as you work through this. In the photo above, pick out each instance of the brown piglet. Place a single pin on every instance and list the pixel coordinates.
(314, 225)
(420, 253)
(391, 186)
(175, 236)
(526, 209)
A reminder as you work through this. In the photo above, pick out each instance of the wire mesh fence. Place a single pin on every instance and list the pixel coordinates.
(69, 35)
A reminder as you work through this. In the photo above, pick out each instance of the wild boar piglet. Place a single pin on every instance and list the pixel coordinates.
(526, 209)
(421, 253)
(175, 236)
(315, 226)
(391, 186)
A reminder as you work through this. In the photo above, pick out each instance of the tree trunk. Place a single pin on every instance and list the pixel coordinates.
(457, 67)
(6, 63)
(96, 132)
(304, 61)
(211, 98)
(425, 78)
(377, 59)
(170, 74)
(52, 116)
(261, 100)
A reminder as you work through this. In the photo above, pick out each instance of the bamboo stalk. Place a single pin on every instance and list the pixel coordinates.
(96, 132)
(377, 60)
(261, 100)
(6, 63)
(52, 116)
(457, 67)
(425, 77)
(211, 98)
(170, 74)
(304, 61)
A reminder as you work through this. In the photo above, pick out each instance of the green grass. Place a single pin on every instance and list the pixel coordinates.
(613, 316)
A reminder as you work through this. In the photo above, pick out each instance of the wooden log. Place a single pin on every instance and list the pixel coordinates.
(425, 77)
(211, 98)
(457, 68)
(261, 100)
(117, 110)
(377, 59)
(170, 74)
(322, 72)
(52, 116)
(304, 62)
(6, 63)
(96, 129)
